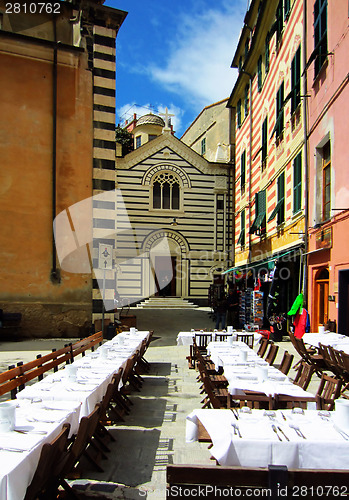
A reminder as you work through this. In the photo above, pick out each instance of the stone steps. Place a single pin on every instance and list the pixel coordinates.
(166, 303)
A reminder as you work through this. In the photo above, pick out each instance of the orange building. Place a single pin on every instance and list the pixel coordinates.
(57, 147)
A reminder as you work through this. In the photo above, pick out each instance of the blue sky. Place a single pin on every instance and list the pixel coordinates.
(176, 54)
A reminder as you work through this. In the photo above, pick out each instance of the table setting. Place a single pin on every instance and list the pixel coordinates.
(186, 337)
(336, 340)
(39, 411)
(257, 438)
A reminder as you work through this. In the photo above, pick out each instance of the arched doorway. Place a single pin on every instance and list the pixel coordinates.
(165, 271)
(321, 291)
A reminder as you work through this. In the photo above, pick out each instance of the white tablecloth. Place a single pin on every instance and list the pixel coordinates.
(186, 338)
(17, 468)
(243, 375)
(340, 342)
(323, 448)
(48, 404)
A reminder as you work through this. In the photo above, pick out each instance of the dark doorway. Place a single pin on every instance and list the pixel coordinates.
(343, 302)
(165, 270)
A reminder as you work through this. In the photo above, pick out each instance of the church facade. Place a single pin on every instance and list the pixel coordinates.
(172, 217)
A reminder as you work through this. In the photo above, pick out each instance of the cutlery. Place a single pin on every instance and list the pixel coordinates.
(342, 433)
(22, 431)
(283, 416)
(235, 413)
(17, 450)
(298, 431)
(236, 427)
(276, 432)
(282, 432)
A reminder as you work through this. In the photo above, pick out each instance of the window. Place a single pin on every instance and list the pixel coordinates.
(297, 183)
(166, 191)
(264, 142)
(203, 146)
(240, 64)
(279, 209)
(138, 141)
(320, 34)
(247, 88)
(279, 125)
(296, 81)
(243, 171)
(259, 223)
(247, 46)
(238, 113)
(287, 9)
(241, 240)
(279, 22)
(326, 182)
(152, 137)
(267, 54)
(259, 72)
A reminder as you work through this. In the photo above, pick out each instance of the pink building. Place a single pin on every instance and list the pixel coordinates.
(328, 162)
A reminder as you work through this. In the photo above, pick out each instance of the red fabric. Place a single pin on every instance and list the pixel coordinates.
(300, 322)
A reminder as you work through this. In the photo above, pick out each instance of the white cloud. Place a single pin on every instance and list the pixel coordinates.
(127, 111)
(200, 55)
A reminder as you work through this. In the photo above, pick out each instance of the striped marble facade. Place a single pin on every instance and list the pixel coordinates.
(197, 245)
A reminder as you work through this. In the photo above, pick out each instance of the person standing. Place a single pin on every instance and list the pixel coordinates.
(233, 307)
(221, 312)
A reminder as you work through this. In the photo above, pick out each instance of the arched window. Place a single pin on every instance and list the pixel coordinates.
(166, 191)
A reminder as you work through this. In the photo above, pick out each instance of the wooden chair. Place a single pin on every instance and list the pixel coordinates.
(252, 400)
(304, 375)
(272, 352)
(343, 363)
(330, 359)
(263, 347)
(222, 337)
(215, 398)
(286, 363)
(80, 447)
(202, 340)
(248, 338)
(215, 481)
(51, 463)
(307, 355)
(328, 391)
(216, 380)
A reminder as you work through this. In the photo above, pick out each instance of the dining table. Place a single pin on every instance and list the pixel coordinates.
(335, 340)
(246, 371)
(302, 439)
(43, 407)
(186, 337)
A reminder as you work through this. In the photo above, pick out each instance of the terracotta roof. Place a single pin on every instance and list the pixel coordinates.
(150, 119)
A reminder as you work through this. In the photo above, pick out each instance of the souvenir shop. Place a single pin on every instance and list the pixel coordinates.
(267, 291)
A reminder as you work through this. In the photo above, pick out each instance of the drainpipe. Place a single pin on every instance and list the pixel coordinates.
(55, 274)
(306, 159)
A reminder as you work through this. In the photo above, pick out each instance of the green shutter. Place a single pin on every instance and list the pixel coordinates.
(281, 197)
(297, 183)
(243, 169)
(259, 73)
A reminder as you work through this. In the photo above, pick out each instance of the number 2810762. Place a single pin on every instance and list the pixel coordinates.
(33, 8)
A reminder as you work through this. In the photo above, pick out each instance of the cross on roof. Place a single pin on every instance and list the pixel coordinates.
(166, 115)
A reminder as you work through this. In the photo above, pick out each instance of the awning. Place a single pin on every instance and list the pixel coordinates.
(263, 262)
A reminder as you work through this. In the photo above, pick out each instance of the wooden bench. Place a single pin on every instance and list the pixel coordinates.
(15, 378)
(274, 482)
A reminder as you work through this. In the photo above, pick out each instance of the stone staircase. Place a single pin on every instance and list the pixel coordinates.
(166, 303)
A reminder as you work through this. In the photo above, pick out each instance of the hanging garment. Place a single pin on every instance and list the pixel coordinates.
(301, 323)
(297, 304)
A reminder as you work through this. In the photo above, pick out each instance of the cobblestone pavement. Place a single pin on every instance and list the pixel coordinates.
(153, 435)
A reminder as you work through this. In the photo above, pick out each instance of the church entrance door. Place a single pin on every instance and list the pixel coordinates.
(165, 270)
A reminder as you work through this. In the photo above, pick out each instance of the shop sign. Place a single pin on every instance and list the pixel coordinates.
(324, 238)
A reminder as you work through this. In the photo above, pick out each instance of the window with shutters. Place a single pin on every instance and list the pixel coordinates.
(241, 240)
(320, 35)
(238, 113)
(259, 73)
(279, 210)
(296, 81)
(247, 88)
(259, 223)
(326, 182)
(243, 171)
(267, 40)
(264, 142)
(297, 183)
(279, 124)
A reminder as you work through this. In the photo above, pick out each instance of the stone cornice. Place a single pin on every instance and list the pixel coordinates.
(177, 146)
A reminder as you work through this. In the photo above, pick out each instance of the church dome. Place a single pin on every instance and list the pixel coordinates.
(150, 119)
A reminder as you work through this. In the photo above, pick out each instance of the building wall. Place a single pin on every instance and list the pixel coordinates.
(213, 125)
(198, 241)
(54, 300)
(280, 154)
(328, 109)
